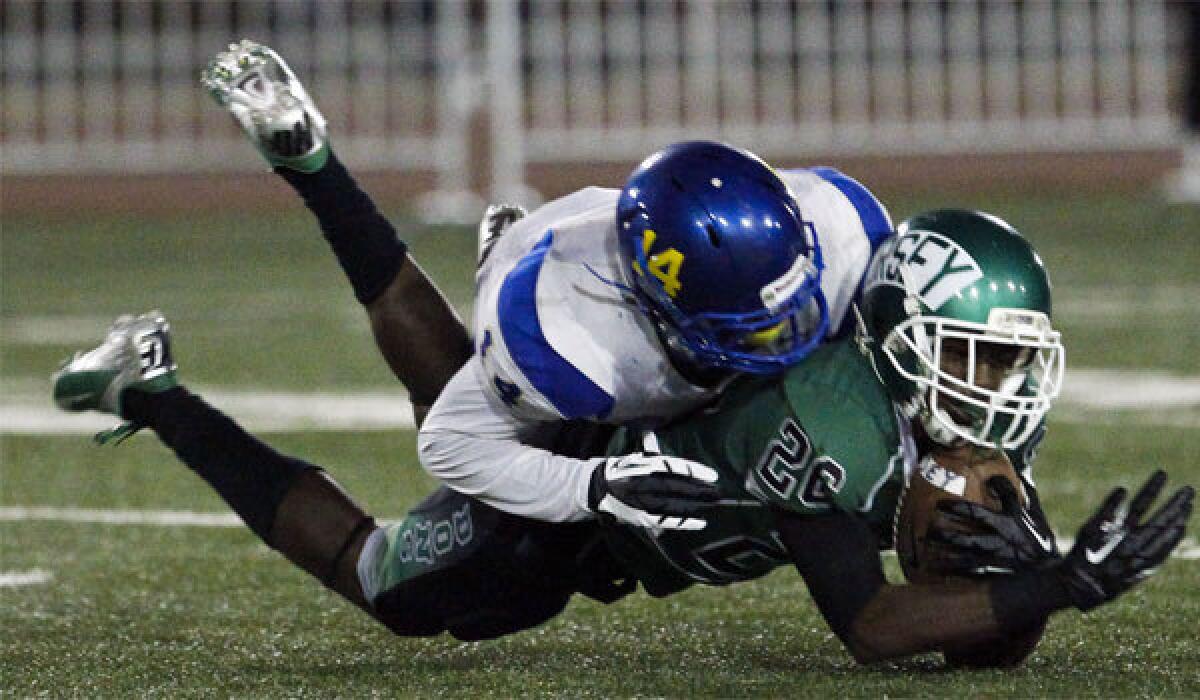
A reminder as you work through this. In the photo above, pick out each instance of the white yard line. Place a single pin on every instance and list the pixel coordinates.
(1098, 396)
(1185, 419)
(84, 331)
(98, 516)
(25, 414)
(1129, 397)
(13, 579)
(55, 330)
(1129, 389)
(1114, 305)
(124, 516)
(1188, 549)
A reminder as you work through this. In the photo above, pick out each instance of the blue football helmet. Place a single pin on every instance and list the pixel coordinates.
(721, 259)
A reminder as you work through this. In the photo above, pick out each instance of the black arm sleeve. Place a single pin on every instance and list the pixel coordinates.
(838, 557)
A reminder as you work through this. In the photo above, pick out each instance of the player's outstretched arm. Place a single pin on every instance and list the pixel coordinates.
(417, 331)
(1114, 550)
(838, 557)
(472, 443)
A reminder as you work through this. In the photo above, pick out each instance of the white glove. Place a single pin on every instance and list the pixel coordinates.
(653, 491)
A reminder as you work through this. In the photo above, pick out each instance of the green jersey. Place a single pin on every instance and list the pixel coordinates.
(823, 436)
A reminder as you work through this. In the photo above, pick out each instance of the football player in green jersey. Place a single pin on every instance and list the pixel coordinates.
(954, 346)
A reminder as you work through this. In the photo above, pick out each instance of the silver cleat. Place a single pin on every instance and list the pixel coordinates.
(135, 354)
(269, 103)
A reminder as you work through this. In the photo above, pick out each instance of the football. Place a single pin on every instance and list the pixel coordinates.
(949, 474)
(959, 473)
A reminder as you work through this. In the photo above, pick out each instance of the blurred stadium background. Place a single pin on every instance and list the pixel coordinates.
(486, 98)
(124, 188)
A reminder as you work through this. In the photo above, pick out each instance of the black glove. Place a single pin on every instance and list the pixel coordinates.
(1115, 548)
(653, 491)
(974, 539)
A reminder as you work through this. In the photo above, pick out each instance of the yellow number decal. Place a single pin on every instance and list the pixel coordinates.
(665, 265)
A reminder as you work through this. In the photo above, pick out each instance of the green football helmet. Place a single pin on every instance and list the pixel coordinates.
(955, 316)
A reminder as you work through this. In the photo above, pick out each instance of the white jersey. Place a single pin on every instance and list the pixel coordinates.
(558, 337)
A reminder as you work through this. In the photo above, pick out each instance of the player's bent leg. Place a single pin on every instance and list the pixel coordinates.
(319, 528)
(452, 565)
(417, 331)
(291, 504)
(419, 335)
(456, 565)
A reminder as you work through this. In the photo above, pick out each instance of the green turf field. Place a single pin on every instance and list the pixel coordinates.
(259, 305)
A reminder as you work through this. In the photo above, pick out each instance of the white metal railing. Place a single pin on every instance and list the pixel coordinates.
(111, 85)
(845, 77)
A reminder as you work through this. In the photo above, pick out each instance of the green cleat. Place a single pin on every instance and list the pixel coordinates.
(269, 103)
(136, 354)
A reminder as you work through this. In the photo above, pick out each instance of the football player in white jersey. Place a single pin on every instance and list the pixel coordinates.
(572, 324)
(607, 306)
